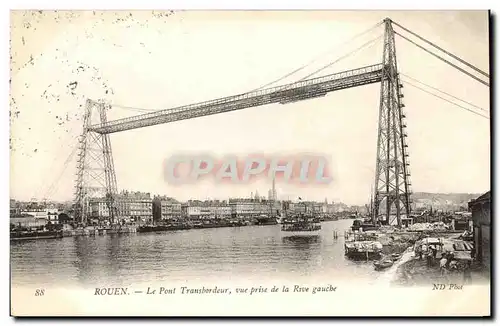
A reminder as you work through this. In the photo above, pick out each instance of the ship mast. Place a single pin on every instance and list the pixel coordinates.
(272, 199)
(371, 203)
(371, 212)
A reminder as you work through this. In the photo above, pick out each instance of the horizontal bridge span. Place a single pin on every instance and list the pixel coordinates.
(302, 90)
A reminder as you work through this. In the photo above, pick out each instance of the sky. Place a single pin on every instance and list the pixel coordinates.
(157, 60)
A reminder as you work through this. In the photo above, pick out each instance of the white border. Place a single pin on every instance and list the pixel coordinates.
(184, 4)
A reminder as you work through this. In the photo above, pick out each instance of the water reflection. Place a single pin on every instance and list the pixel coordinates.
(255, 252)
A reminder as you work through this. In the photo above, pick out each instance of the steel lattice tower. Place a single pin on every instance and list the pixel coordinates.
(392, 185)
(95, 168)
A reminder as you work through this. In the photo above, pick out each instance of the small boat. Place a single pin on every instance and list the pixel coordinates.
(395, 256)
(383, 264)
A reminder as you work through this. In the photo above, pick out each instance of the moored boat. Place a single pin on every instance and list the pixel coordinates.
(363, 249)
(35, 235)
(395, 256)
(362, 225)
(383, 264)
(266, 220)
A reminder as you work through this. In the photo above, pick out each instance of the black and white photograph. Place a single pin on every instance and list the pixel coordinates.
(250, 163)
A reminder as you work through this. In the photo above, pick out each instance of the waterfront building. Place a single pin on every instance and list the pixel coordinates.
(328, 208)
(98, 208)
(166, 208)
(136, 206)
(43, 214)
(481, 219)
(170, 210)
(34, 214)
(190, 210)
(21, 220)
(317, 208)
(247, 207)
(210, 209)
(304, 206)
(131, 206)
(14, 207)
(222, 211)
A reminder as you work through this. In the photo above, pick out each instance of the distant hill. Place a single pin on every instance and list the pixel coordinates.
(455, 198)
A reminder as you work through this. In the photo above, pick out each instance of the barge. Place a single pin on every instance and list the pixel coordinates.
(363, 249)
(34, 235)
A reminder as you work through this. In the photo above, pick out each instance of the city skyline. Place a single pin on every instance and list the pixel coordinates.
(90, 60)
(421, 197)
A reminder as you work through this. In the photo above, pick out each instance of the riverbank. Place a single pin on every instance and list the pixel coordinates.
(69, 231)
(416, 272)
(416, 256)
(425, 269)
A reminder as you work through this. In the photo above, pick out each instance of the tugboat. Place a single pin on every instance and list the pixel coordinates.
(300, 225)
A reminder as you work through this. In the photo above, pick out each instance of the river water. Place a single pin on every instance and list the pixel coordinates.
(251, 253)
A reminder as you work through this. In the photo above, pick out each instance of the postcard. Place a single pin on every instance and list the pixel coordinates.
(250, 163)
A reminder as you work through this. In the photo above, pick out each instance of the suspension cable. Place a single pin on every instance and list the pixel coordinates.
(437, 89)
(133, 108)
(319, 56)
(294, 71)
(61, 147)
(52, 187)
(368, 44)
(439, 48)
(444, 60)
(444, 99)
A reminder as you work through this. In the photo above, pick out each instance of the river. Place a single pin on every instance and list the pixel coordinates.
(251, 253)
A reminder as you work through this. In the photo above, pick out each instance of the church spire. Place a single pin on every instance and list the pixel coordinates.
(274, 187)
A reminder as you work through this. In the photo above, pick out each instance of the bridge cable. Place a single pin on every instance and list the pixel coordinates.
(444, 99)
(134, 108)
(321, 55)
(437, 89)
(442, 59)
(368, 44)
(65, 165)
(439, 48)
(51, 189)
(62, 147)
